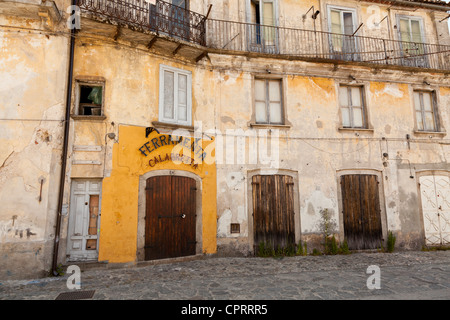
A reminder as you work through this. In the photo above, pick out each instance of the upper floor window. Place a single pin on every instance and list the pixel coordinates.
(342, 22)
(262, 30)
(411, 35)
(426, 113)
(175, 96)
(268, 101)
(410, 29)
(351, 101)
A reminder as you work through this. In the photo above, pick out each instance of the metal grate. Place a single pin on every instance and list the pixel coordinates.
(76, 295)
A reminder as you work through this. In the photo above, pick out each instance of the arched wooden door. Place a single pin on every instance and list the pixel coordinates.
(170, 217)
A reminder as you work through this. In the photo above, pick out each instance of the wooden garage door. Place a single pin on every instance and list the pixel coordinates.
(362, 216)
(170, 217)
(273, 210)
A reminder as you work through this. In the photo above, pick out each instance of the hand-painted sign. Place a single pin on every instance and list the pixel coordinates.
(183, 148)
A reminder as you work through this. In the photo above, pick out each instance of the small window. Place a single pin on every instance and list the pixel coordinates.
(351, 101)
(235, 228)
(268, 101)
(425, 109)
(90, 99)
(175, 96)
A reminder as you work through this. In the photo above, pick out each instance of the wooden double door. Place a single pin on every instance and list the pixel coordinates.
(361, 211)
(170, 222)
(273, 211)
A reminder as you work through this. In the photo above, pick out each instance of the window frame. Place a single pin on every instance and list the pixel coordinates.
(364, 109)
(87, 82)
(267, 101)
(434, 109)
(177, 72)
(342, 10)
(416, 18)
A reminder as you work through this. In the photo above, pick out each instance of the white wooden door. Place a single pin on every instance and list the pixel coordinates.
(84, 220)
(435, 195)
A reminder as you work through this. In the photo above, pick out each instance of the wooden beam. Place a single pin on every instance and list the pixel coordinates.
(118, 32)
(152, 42)
(177, 49)
(201, 56)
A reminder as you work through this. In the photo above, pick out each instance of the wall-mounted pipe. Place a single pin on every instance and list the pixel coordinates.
(65, 148)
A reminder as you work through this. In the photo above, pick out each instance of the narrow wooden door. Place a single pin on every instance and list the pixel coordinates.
(84, 220)
(170, 217)
(362, 215)
(435, 196)
(273, 210)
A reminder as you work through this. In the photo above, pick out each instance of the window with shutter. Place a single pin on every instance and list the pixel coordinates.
(425, 109)
(342, 26)
(175, 104)
(268, 101)
(352, 107)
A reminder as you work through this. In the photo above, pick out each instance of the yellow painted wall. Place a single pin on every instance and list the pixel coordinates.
(120, 194)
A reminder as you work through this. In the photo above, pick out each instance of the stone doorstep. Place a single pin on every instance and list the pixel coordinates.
(105, 265)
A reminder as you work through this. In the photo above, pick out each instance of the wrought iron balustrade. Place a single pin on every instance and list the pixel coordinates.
(161, 17)
(248, 37)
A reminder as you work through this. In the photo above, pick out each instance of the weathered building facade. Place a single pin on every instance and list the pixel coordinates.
(210, 127)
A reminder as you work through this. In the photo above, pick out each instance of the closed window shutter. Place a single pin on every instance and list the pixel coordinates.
(260, 101)
(168, 95)
(275, 101)
(182, 97)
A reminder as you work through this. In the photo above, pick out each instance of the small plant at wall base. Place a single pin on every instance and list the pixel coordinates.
(343, 248)
(331, 246)
(265, 250)
(391, 242)
(328, 227)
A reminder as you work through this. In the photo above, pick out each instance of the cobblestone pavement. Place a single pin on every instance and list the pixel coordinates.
(403, 275)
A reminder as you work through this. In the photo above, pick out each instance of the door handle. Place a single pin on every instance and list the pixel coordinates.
(183, 216)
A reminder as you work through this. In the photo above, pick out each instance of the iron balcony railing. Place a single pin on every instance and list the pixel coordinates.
(161, 17)
(228, 36)
(247, 37)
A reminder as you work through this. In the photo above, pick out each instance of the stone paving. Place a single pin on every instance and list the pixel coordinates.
(403, 275)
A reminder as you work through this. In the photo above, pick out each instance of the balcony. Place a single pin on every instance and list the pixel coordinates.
(161, 18)
(325, 46)
(229, 37)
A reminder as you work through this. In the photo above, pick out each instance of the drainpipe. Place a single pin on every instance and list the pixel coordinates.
(65, 147)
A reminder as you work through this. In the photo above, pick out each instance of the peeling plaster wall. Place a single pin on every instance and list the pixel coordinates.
(317, 148)
(32, 68)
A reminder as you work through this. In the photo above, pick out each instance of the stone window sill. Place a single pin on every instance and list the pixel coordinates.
(87, 118)
(172, 126)
(362, 130)
(269, 126)
(430, 133)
